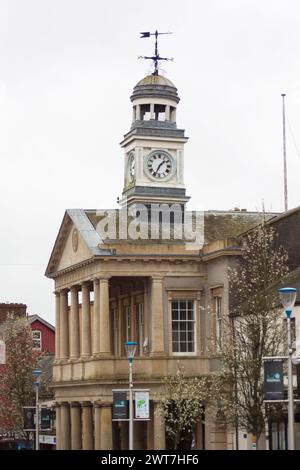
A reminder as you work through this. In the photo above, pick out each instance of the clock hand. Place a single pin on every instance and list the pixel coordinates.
(159, 167)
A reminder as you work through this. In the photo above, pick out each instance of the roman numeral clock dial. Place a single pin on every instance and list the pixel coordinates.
(159, 165)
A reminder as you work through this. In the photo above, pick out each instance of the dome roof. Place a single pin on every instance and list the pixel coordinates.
(155, 80)
(154, 86)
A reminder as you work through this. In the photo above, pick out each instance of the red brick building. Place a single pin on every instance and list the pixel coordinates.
(43, 334)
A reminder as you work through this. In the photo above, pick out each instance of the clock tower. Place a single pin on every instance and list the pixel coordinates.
(154, 146)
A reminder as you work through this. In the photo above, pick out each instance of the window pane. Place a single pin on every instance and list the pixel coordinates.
(190, 315)
(175, 315)
(183, 326)
(175, 336)
(183, 314)
(182, 337)
(190, 336)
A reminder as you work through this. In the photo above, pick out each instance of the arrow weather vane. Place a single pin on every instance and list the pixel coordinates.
(156, 57)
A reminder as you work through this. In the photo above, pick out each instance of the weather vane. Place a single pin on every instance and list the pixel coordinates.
(156, 57)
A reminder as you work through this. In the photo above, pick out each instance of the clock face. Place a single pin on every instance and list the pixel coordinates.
(131, 166)
(159, 165)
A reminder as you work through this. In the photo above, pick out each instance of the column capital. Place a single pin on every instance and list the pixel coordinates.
(75, 288)
(75, 404)
(106, 404)
(64, 290)
(104, 278)
(97, 404)
(157, 278)
(64, 403)
(86, 283)
(95, 280)
(86, 404)
(156, 401)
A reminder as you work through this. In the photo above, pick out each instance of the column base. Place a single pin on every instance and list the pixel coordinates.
(104, 354)
(74, 359)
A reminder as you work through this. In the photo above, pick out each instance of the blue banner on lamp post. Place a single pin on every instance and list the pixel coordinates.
(273, 380)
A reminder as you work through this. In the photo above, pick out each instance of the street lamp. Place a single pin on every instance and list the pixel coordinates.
(288, 297)
(37, 376)
(130, 347)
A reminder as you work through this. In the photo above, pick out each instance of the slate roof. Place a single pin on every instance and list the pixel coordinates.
(45, 363)
(218, 225)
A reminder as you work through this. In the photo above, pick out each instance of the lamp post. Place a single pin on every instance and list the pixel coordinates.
(288, 297)
(37, 375)
(130, 347)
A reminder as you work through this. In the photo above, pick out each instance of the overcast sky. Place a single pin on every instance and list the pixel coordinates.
(67, 69)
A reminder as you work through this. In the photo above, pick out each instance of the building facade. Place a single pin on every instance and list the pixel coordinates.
(12, 309)
(114, 284)
(43, 334)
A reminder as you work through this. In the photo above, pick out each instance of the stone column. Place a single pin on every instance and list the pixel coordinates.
(57, 324)
(124, 436)
(167, 115)
(86, 321)
(97, 416)
(65, 435)
(87, 426)
(76, 430)
(106, 427)
(152, 116)
(105, 340)
(138, 112)
(173, 115)
(145, 308)
(58, 425)
(64, 325)
(96, 326)
(150, 428)
(159, 429)
(120, 326)
(157, 318)
(74, 324)
(216, 436)
(133, 325)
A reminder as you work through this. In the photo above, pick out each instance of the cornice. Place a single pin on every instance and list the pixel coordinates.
(221, 253)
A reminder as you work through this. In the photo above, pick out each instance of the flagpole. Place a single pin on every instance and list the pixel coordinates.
(284, 155)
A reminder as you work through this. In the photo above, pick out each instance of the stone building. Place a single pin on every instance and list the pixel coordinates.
(14, 309)
(114, 284)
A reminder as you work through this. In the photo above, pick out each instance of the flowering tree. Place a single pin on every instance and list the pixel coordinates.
(183, 406)
(16, 385)
(253, 330)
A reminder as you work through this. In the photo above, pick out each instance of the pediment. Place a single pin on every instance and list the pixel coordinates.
(74, 251)
(77, 241)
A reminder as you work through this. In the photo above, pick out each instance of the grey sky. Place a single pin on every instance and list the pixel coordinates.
(67, 69)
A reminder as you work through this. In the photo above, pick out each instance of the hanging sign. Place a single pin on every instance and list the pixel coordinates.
(2, 352)
(29, 418)
(120, 406)
(45, 419)
(273, 380)
(142, 405)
